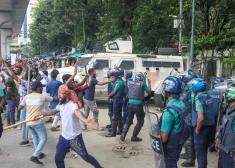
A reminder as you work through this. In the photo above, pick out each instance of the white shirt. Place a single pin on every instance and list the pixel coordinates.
(70, 122)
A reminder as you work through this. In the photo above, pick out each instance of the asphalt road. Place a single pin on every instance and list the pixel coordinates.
(110, 152)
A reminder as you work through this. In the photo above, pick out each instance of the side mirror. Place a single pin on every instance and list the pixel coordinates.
(96, 65)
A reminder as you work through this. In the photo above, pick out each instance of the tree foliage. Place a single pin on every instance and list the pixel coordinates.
(63, 24)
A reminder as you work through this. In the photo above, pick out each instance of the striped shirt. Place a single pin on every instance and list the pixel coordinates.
(34, 103)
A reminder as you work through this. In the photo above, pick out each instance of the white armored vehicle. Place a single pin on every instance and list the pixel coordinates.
(119, 54)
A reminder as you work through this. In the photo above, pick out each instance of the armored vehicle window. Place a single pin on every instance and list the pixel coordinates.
(127, 65)
(147, 63)
(113, 46)
(176, 64)
(157, 64)
(166, 64)
(103, 64)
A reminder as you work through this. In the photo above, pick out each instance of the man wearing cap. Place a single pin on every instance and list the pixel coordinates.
(34, 103)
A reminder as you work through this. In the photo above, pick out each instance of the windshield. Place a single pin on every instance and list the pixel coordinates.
(82, 61)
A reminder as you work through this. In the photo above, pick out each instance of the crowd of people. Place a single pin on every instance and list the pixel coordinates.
(28, 89)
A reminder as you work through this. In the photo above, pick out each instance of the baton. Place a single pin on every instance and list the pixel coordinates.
(23, 122)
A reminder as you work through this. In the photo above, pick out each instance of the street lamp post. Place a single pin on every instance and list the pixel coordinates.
(192, 37)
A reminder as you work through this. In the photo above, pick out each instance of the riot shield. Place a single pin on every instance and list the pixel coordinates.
(155, 138)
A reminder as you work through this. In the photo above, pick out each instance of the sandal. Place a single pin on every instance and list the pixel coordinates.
(71, 155)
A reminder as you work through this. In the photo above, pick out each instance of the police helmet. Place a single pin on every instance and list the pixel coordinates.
(188, 76)
(140, 77)
(198, 84)
(217, 81)
(172, 84)
(120, 71)
(113, 73)
(230, 94)
(128, 74)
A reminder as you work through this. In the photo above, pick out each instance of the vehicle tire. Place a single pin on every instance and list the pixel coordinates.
(168, 51)
(158, 100)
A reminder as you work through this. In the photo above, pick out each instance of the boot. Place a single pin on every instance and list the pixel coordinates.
(191, 156)
(124, 132)
(135, 134)
(114, 130)
(183, 156)
(109, 126)
(120, 127)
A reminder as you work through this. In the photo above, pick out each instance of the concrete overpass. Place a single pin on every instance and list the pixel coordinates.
(12, 14)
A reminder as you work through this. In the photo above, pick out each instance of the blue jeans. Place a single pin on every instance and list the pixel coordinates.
(38, 132)
(23, 126)
(77, 144)
(11, 111)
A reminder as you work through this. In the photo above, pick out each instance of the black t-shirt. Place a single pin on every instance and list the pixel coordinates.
(11, 84)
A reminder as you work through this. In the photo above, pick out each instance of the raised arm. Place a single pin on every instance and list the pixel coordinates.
(49, 113)
(11, 73)
(71, 78)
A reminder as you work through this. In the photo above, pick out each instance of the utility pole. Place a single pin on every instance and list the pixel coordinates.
(192, 37)
(180, 28)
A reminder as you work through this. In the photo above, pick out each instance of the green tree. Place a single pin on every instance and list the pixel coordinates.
(27, 51)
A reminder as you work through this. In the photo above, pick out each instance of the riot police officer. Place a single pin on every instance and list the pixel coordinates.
(116, 97)
(128, 77)
(217, 103)
(186, 97)
(135, 107)
(170, 121)
(226, 138)
(110, 89)
(203, 120)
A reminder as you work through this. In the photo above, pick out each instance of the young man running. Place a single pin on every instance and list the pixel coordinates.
(71, 136)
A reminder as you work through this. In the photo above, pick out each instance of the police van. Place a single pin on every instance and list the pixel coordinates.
(119, 54)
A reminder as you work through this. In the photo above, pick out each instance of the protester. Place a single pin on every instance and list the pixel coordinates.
(34, 103)
(71, 136)
(89, 98)
(52, 88)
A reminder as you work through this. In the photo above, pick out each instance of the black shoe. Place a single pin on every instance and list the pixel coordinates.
(23, 143)
(41, 156)
(119, 133)
(35, 160)
(137, 139)
(110, 135)
(108, 126)
(188, 163)
(183, 156)
(123, 136)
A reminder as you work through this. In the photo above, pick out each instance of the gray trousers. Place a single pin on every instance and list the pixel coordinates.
(91, 106)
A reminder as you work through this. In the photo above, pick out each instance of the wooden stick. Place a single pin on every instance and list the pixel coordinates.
(22, 122)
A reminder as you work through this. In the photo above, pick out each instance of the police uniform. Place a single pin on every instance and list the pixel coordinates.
(125, 100)
(187, 97)
(117, 105)
(226, 140)
(135, 107)
(203, 103)
(217, 97)
(110, 104)
(170, 124)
